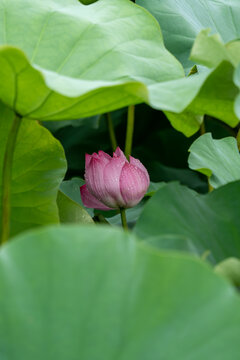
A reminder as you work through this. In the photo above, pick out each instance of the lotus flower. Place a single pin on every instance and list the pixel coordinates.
(113, 182)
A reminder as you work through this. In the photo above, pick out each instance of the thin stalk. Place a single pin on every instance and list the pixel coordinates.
(130, 129)
(238, 139)
(124, 219)
(7, 177)
(111, 132)
(202, 128)
(202, 132)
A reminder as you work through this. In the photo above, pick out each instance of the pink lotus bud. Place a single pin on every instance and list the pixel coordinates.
(113, 182)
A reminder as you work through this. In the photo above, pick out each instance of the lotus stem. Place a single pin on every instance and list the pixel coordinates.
(7, 177)
(238, 139)
(124, 219)
(202, 128)
(111, 132)
(130, 129)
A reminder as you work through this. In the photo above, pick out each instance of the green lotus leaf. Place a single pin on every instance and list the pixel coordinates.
(181, 22)
(186, 122)
(72, 64)
(210, 222)
(218, 159)
(38, 168)
(65, 289)
(216, 92)
(209, 50)
(70, 211)
(212, 92)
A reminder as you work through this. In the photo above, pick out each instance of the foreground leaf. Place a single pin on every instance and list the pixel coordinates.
(132, 68)
(114, 71)
(39, 166)
(209, 222)
(100, 288)
(218, 159)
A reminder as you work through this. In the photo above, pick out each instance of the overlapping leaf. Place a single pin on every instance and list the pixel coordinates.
(86, 59)
(210, 223)
(39, 166)
(218, 159)
(64, 289)
(182, 20)
(210, 50)
(78, 66)
(70, 211)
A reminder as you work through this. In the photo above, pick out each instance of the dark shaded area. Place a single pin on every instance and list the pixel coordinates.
(162, 149)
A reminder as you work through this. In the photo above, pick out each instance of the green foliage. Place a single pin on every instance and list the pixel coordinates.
(215, 94)
(207, 222)
(69, 88)
(210, 50)
(187, 123)
(68, 288)
(139, 69)
(230, 269)
(71, 189)
(38, 168)
(182, 21)
(96, 292)
(218, 159)
(70, 211)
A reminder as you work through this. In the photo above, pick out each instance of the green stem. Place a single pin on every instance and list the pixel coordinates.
(202, 132)
(124, 219)
(130, 129)
(238, 139)
(202, 128)
(111, 132)
(7, 177)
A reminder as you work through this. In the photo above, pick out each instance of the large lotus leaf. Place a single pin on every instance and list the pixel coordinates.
(176, 242)
(182, 20)
(218, 159)
(39, 166)
(210, 221)
(74, 64)
(94, 293)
